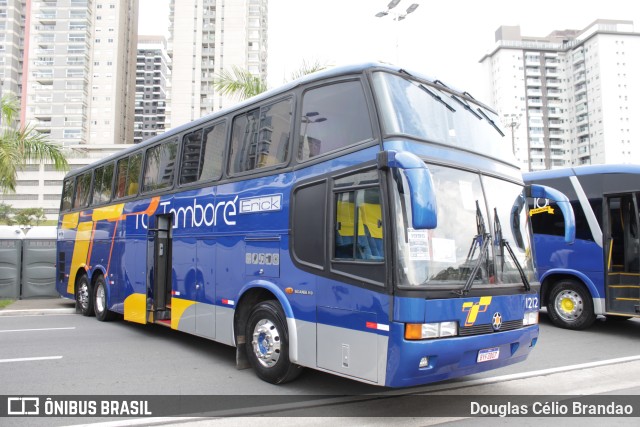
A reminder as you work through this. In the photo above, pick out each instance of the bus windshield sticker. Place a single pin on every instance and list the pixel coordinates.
(418, 245)
(466, 195)
(444, 250)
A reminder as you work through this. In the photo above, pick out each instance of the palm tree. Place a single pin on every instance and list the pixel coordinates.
(19, 145)
(307, 68)
(241, 84)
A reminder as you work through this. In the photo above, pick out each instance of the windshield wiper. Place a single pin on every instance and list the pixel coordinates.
(482, 240)
(505, 244)
(425, 89)
(485, 115)
(459, 101)
(495, 126)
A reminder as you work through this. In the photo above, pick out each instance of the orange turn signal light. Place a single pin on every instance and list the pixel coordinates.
(413, 331)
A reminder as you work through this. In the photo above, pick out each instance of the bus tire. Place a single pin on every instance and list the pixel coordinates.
(100, 300)
(570, 305)
(84, 296)
(268, 344)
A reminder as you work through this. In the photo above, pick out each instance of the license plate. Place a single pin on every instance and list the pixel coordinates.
(488, 354)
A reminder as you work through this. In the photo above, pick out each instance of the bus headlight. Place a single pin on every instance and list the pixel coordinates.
(421, 331)
(530, 318)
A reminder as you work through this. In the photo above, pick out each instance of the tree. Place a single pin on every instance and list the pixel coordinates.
(29, 216)
(19, 145)
(6, 214)
(241, 84)
(307, 68)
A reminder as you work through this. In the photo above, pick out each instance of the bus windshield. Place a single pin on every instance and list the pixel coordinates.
(415, 108)
(482, 238)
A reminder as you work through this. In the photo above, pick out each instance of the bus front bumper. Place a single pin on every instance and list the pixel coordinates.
(412, 363)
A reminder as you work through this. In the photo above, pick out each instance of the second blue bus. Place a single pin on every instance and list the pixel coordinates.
(599, 274)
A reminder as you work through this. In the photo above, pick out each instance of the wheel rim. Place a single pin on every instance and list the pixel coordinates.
(100, 299)
(569, 305)
(266, 343)
(83, 295)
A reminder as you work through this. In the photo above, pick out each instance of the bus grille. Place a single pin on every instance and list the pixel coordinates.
(510, 325)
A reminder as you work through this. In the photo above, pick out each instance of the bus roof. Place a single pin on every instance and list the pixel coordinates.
(581, 171)
(309, 78)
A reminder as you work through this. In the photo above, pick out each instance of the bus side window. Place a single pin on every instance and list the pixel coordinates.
(133, 174)
(67, 195)
(260, 138)
(102, 180)
(359, 211)
(97, 185)
(333, 117)
(358, 219)
(160, 163)
(202, 154)
(83, 185)
(191, 151)
(128, 175)
(121, 178)
(212, 153)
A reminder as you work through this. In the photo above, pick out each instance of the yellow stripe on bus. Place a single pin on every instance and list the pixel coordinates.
(109, 213)
(80, 252)
(135, 308)
(178, 306)
(70, 221)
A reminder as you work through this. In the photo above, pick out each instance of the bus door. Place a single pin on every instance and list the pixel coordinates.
(622, 253)
(353, 324)
(159, 265)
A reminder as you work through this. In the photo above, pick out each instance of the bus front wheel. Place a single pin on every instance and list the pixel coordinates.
(268, 344)
(84, 296)
(570, 305)
(100, 300)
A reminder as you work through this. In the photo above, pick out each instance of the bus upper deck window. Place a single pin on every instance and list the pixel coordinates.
(67, 195)
(260, 138)
(202, 154)
(83, 185)
(333, 117)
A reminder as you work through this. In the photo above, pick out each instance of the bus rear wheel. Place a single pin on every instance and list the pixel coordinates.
(84, 296)
(268, 344)
(100, 300)
(570, 306)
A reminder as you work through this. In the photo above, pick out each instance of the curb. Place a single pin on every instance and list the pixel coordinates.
(37, 312)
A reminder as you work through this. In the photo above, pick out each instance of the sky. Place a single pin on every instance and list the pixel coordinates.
(441, 39)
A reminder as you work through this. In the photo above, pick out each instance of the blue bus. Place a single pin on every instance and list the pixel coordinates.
(600, 273)
(363, 221)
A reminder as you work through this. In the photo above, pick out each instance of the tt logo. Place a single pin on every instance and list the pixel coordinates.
(473, 308)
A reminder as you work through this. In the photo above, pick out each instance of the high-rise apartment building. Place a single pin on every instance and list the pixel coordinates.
(79, 70)
(569, 98)
(206, 37)
(11, 33)
(151, 87)
(72, 65)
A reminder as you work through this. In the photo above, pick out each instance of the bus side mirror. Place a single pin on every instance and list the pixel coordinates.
(424, 212)
(544, 192)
